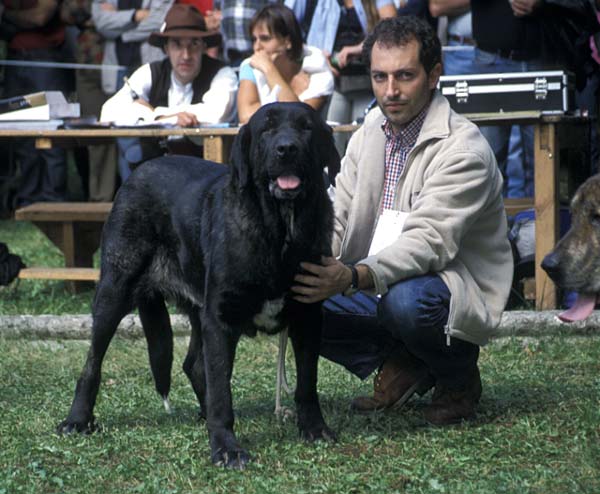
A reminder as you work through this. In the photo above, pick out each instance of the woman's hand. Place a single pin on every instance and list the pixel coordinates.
(264, 62)
(332, 65)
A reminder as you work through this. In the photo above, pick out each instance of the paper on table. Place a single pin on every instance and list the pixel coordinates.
(389, 228)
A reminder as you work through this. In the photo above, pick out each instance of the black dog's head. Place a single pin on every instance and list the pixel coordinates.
(282, 148)
(574, 263)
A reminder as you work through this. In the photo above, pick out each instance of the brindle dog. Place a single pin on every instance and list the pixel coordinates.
(574, 264)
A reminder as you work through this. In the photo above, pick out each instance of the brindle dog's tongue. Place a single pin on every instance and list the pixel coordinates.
(581, 309)
(288, 182)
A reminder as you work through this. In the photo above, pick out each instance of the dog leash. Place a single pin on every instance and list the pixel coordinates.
(282, 412)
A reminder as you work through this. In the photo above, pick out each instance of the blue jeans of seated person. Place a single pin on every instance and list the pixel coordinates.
(360, 332)
(124, 143)
(499, 136)
(459, 58)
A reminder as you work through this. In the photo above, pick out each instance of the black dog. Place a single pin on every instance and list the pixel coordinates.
(225, 243)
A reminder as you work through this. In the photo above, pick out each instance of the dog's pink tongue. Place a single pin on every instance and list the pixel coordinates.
(288, 182)
(581, 309)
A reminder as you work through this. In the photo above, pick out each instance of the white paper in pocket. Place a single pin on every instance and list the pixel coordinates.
(389, 228)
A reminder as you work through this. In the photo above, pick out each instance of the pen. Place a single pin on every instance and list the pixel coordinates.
(134, 95)
(220, 125)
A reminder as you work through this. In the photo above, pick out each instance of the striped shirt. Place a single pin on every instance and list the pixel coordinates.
(397, 147)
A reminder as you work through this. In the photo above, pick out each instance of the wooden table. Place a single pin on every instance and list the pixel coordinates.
(556, 136)
(553, 134)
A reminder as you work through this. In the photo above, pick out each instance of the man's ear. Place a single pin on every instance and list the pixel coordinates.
(434, 75)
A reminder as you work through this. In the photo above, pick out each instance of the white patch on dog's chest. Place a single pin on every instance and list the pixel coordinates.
(267, 317)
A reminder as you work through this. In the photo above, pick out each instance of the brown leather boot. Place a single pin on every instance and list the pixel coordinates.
(399, 378)
(450, 406)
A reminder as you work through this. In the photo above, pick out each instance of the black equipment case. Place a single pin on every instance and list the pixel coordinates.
(548, 92)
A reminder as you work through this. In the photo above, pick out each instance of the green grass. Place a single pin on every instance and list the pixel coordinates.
(537, 429)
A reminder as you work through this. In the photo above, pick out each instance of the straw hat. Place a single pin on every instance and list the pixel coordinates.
(183, 20)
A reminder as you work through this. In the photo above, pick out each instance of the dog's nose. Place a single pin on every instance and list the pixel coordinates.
(286, 149)
(551, 265)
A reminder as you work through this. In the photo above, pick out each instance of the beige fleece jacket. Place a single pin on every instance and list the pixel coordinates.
(456, 227)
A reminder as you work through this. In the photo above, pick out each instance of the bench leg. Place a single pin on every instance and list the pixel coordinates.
(77, 241)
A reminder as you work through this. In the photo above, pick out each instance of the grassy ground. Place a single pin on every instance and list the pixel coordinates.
(37, 297)
(537, 430)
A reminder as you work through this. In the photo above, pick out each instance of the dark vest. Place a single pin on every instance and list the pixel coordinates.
(161, 80)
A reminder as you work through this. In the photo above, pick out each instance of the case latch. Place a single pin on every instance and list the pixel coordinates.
(540, 87)
(461, 90)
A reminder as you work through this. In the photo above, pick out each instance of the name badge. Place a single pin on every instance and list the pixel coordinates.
(389, 228)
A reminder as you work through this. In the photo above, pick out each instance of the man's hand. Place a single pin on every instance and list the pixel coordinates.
(213, 19)
(184, 119)
(187, 119)
(140, 15)
(321, 281)
(347, 53)
(522, 8)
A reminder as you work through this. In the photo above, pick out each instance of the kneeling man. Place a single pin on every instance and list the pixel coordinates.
(423, 267)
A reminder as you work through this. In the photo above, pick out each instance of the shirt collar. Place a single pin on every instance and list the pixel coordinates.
(183, 88)
(409, 132)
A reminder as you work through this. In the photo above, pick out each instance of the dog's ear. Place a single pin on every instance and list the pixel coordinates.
(240, 157)
(327, 151)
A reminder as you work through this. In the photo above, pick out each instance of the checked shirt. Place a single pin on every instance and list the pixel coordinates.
(397, 147)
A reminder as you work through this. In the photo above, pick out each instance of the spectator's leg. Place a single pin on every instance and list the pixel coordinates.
(527, 140)
(31, 170)
(515, 172)
(102, 159)
(54, 180)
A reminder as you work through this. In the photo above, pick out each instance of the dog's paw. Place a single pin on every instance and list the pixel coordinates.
(317, 433)
(234, 458)
(73, 426)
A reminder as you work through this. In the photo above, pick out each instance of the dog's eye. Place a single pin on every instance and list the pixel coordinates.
(595, 220)
(307, 125)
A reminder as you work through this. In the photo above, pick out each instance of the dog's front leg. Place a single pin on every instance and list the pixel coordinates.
(219, 344)
(305, 332)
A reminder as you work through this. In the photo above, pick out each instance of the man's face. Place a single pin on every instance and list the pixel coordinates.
(186, 57)
(400, 84)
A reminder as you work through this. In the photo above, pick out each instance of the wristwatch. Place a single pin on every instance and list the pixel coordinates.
(353, 288)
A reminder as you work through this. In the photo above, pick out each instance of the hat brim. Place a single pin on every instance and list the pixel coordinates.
(211, 38)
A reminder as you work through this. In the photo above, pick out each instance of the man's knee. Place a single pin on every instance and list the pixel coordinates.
(414, 307)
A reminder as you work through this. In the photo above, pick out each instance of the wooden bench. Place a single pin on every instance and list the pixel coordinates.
(75, 228)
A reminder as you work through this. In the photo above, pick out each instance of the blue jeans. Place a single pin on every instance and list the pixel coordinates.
(124, 143)
(522, 184)
(459, 59)
(362, 331)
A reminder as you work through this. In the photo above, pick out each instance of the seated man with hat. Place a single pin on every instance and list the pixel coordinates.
(188, 87)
